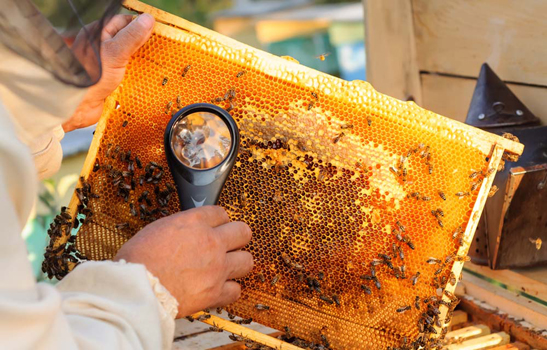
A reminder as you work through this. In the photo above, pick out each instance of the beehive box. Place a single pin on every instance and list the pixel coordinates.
(362, 206)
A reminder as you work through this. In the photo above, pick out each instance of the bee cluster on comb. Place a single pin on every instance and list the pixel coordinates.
(361, 206)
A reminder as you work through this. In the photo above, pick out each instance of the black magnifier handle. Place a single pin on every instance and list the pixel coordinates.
(201, 146)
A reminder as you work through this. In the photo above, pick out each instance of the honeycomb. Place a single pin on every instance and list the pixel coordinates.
(362, 206)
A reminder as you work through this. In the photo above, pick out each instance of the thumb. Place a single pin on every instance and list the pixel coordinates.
(128, 40)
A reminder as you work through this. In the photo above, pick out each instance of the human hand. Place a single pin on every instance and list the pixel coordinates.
(195, 256)
(120, 38)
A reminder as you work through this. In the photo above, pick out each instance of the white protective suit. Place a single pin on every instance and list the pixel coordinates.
(100, 305)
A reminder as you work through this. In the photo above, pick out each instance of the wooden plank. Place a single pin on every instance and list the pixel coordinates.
(246, 332)
(457, 36)
(451, 96)
(391, 55)
(241, 345)
(468, 332)
(512, 346)
(513, 280)
(483, 342)
(506, 301)
(503, 322)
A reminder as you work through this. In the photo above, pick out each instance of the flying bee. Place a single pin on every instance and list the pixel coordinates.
(185, 70)
(366, 289)
(179, 101)
(326, 299)
(261, 277)
(337, 138)
(452, 280)
(165, 80)
(493, 191)
(323, 56)
(404, 308)
(240, 74)
(275, 280)
(346, 126)
(538, 242)
(168, 107)
(463, 258)
(442, 195)
(462, 194)
(262, 307)
(414, 278)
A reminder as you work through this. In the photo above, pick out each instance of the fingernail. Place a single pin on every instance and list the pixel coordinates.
(146, 20)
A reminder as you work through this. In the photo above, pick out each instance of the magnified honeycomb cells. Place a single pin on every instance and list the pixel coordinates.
(357, 201)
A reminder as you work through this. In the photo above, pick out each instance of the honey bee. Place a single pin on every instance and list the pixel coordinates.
(408, 242)
(474, 186)
(311, 105)
(217, 100)
(165, 80)
(462, 194)
(442, 195)
(369, 120)
(203, 317)
(449, 258)
(400, 226)
(185, 70)
(336, 299)
(538, 242)
(168, 107)
(385, 257)
(323, 56)
(326, 299)
(262, 307)
(414, 278)
(426, 199)
(439, 270)
(440, 223)
(433, 261)
(404, 308)
(275, 280)
(320, 275)
(415, 195)
(216, 329)
(430, 169)
(346, 126)
(122, 225)
(452, 280)
(190, 318)
(463, 258)
(397, 235)
(125, 122)
(261, 277)
(393, 170)
(457, 232)
(493, 191)
(132, 209)
(377, 284)
(179, 101)
(96, 166)
(366, 289)
(417, 303)
(240, 74)
(315, 95)
(474, 174)
(337, 138)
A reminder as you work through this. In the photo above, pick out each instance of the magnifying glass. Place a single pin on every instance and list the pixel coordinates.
(201, 145)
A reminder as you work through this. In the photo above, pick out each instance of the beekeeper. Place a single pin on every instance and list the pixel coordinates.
(172, 268)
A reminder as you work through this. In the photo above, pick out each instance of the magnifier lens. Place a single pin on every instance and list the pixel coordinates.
(201, 140)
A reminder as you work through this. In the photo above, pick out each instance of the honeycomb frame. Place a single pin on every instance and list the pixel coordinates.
(336, 138)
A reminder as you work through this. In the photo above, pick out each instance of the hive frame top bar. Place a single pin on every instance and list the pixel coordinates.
(483, 137)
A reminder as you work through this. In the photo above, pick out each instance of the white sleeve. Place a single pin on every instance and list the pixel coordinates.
(100, 305)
